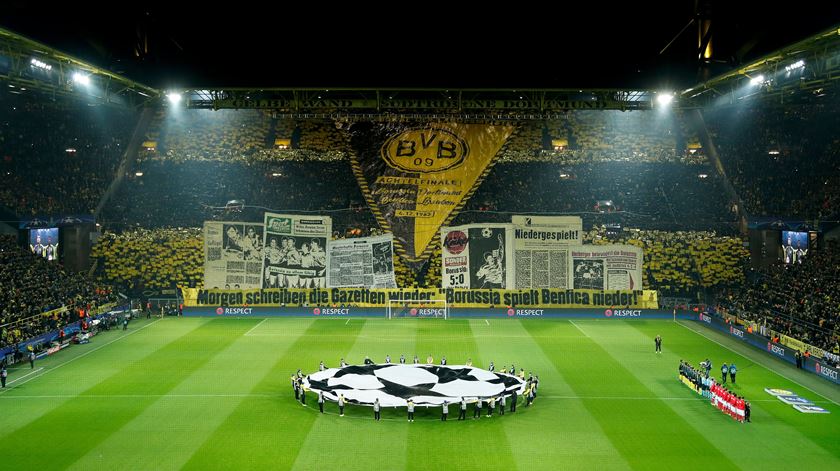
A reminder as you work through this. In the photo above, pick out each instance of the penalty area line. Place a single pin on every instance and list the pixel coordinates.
(255, 327)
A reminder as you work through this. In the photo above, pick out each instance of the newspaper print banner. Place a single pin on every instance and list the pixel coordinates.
(365, 262)
(606, 267)
(541, 250)
(294, 254)
(477, 256)
(233, 254)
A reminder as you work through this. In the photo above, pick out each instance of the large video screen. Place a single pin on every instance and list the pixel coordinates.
(44, 242)
(794, 246)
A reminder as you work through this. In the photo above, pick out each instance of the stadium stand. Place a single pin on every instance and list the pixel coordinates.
(31, 285)
(799, 300)
(628, 168)
(142, 259)
(782, 161)
(58, 157)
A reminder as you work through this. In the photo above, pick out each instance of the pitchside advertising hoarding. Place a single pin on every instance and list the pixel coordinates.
(419, 312)
(814, 365)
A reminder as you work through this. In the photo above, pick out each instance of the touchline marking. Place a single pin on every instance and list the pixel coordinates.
(578, 328)
(27, 374)
(412, 337)
(135, 396)
(649, 398)
(253, 328)
(761, 365)
(84, 355)
(276, 396)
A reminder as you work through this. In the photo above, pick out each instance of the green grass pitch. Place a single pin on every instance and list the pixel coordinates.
(214, 394)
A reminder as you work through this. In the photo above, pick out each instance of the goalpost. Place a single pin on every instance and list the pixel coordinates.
(432, 308)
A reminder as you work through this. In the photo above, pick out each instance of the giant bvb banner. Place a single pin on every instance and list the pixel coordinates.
(294, 253)
(456, 298)
(233, 254)
(477, 256)
(541, 250)
(361, 262)
(608, 267)
(416, 176)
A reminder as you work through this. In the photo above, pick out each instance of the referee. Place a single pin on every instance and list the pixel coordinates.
(658, 341)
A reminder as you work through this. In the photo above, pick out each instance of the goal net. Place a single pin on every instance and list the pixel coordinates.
(437, 308)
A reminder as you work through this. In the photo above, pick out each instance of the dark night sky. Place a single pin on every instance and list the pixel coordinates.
(421, 45)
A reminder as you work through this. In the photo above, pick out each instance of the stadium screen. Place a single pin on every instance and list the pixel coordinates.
(44, 242)
(794, 246)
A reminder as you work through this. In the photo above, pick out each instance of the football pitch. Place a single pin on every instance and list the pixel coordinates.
(204, 393)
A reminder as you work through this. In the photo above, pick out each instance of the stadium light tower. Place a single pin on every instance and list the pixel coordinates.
(664, 99)
(81, 78)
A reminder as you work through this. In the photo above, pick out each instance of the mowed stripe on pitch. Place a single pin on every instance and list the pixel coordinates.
(156, 373)
(176, 425)
(566, 430)
(478, 444)
(775, 425)
(649, 434)
(84, 372)
(357, 429)
(265, 429)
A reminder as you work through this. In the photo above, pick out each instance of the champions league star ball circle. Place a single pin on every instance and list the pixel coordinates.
(487, 233)
(394, 384)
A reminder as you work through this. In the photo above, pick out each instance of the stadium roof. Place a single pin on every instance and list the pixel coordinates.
(427, 45)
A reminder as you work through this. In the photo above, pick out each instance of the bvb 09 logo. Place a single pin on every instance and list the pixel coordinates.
(426, 150)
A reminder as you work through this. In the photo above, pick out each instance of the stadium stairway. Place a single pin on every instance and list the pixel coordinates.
(696, 121)
(129, 157)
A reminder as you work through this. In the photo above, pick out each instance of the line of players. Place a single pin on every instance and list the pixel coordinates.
(530, 393)
(702, 383)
